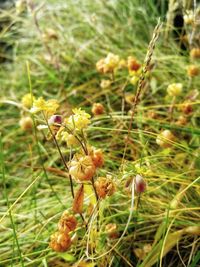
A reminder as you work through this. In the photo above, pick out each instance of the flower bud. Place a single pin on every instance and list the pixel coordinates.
(111, 230)
(26, 123)
(140, 184)
(55, 119)
(60, 242)
(67, 223)
(97, 109)
(133, 65)
(187, 108)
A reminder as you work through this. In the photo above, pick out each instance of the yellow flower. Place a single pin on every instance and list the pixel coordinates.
(27, 100)
(189, 17)
(174, 89)
(49, 106)
(70, 139)
(79, 120)
(111, 62)
(134, 80)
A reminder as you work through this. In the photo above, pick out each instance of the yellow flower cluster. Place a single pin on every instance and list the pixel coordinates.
(79, 120)
(174, 89)
(49, 106)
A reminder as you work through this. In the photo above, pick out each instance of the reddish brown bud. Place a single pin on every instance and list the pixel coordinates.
(97, 109)
(140, 184)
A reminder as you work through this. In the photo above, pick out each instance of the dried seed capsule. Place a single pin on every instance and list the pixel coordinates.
(82, 168)
(67, 222)
(104, 186)
(60, 241)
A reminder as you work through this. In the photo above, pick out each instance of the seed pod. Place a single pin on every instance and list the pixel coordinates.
(67, 222)
(60, 242)
(82, 168)
(140, 184)
(104, 187)
(78, 200)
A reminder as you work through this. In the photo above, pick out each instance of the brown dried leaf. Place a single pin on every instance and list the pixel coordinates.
(78, 200)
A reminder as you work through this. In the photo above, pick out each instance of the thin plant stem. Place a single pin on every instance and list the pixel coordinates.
(7, 200)
(61, 155)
